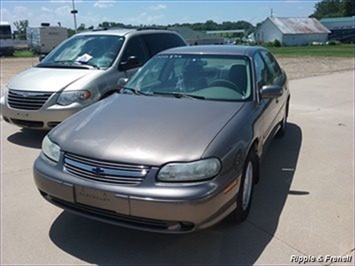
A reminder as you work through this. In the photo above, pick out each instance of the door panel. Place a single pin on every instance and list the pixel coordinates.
(266, 105)
(275, 77)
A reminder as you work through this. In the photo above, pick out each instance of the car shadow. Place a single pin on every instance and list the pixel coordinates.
(226, 243)
(28, 138)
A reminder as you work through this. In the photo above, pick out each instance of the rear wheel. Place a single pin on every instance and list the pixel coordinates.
(245, 193)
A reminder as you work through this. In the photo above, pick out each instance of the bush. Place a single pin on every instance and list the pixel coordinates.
(333, 42)
(276, 43)
(268, 44)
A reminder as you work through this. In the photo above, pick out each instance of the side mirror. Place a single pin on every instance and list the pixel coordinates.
(122, 82)
(132, 62)
(270, 92)
(41, 57)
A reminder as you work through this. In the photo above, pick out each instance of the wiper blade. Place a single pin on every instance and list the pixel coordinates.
(71, 63)
(59, 65)
(87, 64)
(180, 95)
(63, 61)
(135, 91)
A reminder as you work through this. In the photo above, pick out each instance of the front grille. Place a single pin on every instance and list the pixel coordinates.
(27, 100)
(113, 217)
(104, 171)
(27, 123)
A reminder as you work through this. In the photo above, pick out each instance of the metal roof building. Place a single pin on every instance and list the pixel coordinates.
(196, 37)
(342, 28)
(291, 31)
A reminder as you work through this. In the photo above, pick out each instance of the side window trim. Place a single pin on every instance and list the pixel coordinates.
(266, 68)
(275, 74)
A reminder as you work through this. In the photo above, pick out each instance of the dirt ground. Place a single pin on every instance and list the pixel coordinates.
(295, 68)
(302, 67)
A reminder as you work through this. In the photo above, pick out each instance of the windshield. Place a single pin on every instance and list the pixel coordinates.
(208, 77)
(99, 51)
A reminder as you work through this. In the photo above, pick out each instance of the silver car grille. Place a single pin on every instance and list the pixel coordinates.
(27, 100)
(104, 171)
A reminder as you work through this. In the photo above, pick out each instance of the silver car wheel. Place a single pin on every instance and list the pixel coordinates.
(248, 184)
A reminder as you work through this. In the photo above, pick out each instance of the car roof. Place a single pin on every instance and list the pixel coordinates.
(124, 32)
(215, 49)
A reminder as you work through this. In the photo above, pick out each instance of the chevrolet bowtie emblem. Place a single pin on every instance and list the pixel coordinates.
(97, 170)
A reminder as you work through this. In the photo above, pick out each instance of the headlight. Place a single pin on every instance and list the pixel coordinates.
(50, 149)
(194, 171)
(69, 97)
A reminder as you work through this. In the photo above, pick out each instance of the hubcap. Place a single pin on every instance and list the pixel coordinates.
(248, 183)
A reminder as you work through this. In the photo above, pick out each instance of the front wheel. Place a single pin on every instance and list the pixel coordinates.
(245, 193)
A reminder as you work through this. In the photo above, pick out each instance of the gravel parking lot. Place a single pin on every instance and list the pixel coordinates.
(303, 205)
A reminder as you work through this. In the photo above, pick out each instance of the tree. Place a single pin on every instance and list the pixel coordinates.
(348, 8)
(21, 26)
(333, 8)
(71, 32)
(81, 27)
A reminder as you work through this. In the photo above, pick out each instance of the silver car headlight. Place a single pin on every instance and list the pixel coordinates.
(69, 97)
(193, 171)
(50, 149)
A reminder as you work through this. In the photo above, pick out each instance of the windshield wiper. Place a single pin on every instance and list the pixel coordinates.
(68, 64)
(63, 61)
(180, 95)
(60, 65)
(71, 63)
(135, 91)
(87, 64)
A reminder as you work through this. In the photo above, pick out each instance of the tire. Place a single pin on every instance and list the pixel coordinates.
(245, 194)
(282, 131)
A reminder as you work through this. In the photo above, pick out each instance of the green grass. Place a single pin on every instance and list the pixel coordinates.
(23, 53)
(344, 50)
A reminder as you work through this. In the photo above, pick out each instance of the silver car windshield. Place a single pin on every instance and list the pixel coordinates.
(208, 77)
(97, 51)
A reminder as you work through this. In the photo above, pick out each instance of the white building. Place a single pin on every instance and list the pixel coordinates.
(291, 31)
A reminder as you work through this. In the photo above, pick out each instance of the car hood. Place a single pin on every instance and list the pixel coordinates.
(144, 129)
(48, 79)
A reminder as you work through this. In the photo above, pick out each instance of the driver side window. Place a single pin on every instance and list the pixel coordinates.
(135, 47)
(261, 71)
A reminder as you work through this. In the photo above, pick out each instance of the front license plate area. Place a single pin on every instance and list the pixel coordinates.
(22, 115)
(101, 199)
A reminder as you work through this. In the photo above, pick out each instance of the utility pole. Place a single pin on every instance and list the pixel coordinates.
(74, 12)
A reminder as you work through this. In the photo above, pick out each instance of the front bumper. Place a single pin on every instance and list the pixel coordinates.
(158, 208)
(47, 117)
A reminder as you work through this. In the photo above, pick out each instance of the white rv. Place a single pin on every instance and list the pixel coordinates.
(6, 41)
(45, 38)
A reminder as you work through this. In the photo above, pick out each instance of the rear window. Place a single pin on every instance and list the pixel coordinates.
(162, 41)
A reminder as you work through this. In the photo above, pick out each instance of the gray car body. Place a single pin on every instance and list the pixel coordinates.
(99, 82)
(152, 131)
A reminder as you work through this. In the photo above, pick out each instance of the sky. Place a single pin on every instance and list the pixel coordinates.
(93, 12)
